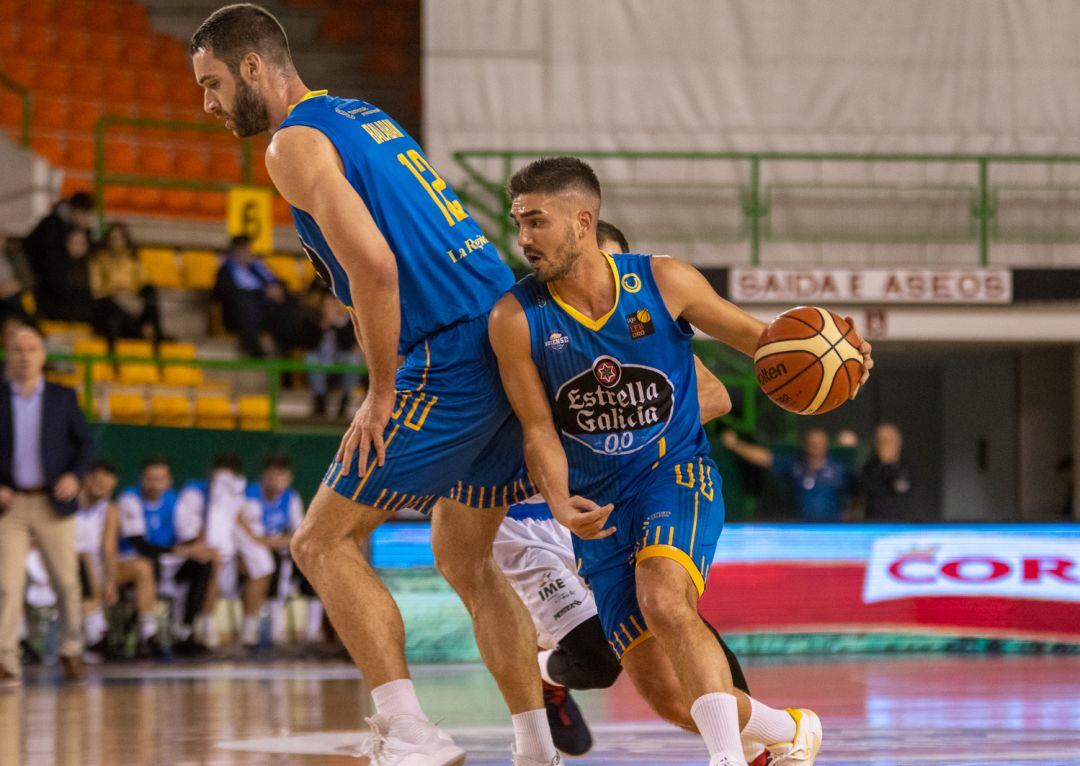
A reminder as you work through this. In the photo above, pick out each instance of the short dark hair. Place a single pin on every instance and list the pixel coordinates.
(605, 230)
(240, 240)
(277, 460)
(81, 200)
(550, 175)
(228, 461)
(101, 464)
(156, 459)
(234, 31)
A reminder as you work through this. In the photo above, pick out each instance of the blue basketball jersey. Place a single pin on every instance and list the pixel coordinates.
(159, 517)
(622, 389)
(273, 513)
(447, 269)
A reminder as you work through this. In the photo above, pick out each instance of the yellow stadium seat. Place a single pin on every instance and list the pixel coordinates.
(171, 410)
(285, 268)
(56, 327)
(69, 379)
(254, 413)
(200, 269)
(214, 411)
(99, 371)
(179, 374)
(159, 267)
(136, 373)
(128, 408)
(307, 272)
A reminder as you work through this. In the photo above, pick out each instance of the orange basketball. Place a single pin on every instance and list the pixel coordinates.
(808, 360)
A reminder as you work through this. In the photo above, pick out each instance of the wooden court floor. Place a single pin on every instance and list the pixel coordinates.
(909, 710)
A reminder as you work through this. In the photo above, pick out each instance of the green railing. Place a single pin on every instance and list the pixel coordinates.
(103, 178)
(272, 368)
(27, 104)
(484, 190)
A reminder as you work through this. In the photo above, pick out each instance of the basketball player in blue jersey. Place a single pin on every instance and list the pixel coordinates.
(595, 355)
(394, 243)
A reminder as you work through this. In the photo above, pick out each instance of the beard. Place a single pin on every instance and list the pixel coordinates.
(249, 115)
(563, 261)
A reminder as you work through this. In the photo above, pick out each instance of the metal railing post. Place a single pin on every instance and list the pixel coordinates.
(273, 382)
(755, 210)
(984, 211)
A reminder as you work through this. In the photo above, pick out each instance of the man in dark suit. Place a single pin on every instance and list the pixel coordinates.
(45, 450)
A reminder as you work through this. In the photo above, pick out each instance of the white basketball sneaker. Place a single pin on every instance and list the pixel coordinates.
(520, 760)
(722, 760)
(802, 750)
(406, 740)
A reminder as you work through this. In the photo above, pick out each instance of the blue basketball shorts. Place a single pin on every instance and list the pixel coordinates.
(676, 513)
(451, 434)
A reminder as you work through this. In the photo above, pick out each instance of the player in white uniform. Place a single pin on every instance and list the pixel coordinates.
(272, 512)
(95, 504)
(536, 554)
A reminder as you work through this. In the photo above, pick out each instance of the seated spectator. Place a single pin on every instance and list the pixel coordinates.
(254, 301)
(16, 280)
(218, 502)
(46, 245)
(272, 513)
(336, 345)
(125, 306)
(63, 289)
(153, 531)
(885, 480)
(95, 499)
(820, 483)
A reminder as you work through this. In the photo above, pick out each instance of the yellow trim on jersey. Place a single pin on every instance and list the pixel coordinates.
(305, 97)
(593, 324)
(637, 642)
(675, 554)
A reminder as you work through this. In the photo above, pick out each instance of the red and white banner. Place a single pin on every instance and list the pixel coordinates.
(907, 566)
(811, 286)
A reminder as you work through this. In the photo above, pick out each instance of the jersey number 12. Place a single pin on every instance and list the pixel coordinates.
(436, 188)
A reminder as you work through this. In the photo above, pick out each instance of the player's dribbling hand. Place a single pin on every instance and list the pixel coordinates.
(365, 431)
(585, 518)
(868, 361)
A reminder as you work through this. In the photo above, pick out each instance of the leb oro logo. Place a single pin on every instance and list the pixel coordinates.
(614, 408)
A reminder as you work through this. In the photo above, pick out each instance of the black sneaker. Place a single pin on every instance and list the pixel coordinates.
(151, 649)
(568, 728)
(190, 648)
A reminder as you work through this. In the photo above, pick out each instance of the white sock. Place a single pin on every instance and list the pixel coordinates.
(277, 621)
(314, 619)
(94, 626)
(206, 631)
(532, 736)
(249, 631)
(181, 632)
(396, 698)
(543, 658)
(769, 725)
(147, 625)
(717, 718)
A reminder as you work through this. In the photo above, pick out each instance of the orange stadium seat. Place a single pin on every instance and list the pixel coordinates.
(128, 408)
(37, 13)
(179, 200)
(200, 269)
(11, 108)
(107, 47)
(168, 50)
(153, 86)
(105, 17)
(53, 77)
(119, 84)
(71, 44)
(119, 156)
(282, 213)
(139, 51)
(116, 197)
(212, 203)
(214, 411)
(35, 41)
(136, 373)
(9, 34)
(192, 163)
(179, 374)
(171, 410)
(146, 198)
(83, 115)
(134, 20)
(254, 413)
(79, 154)
(10, 10)
(155, 160)
(74, 14)
(225, 165)
(19, 69)
(99, 371)
(160, 267)
(51, 113)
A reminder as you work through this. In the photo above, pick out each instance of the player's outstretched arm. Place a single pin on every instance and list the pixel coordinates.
(306, 169)
(508, 329)
(689, 295)
(714, 401)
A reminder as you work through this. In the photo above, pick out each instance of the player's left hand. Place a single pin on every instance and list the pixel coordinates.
(868, 361)
(366, 431)
(585, 518)
(66, 487)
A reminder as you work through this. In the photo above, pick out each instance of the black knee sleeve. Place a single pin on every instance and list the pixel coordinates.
(584, 659)
(737, 676)
(197, 574)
